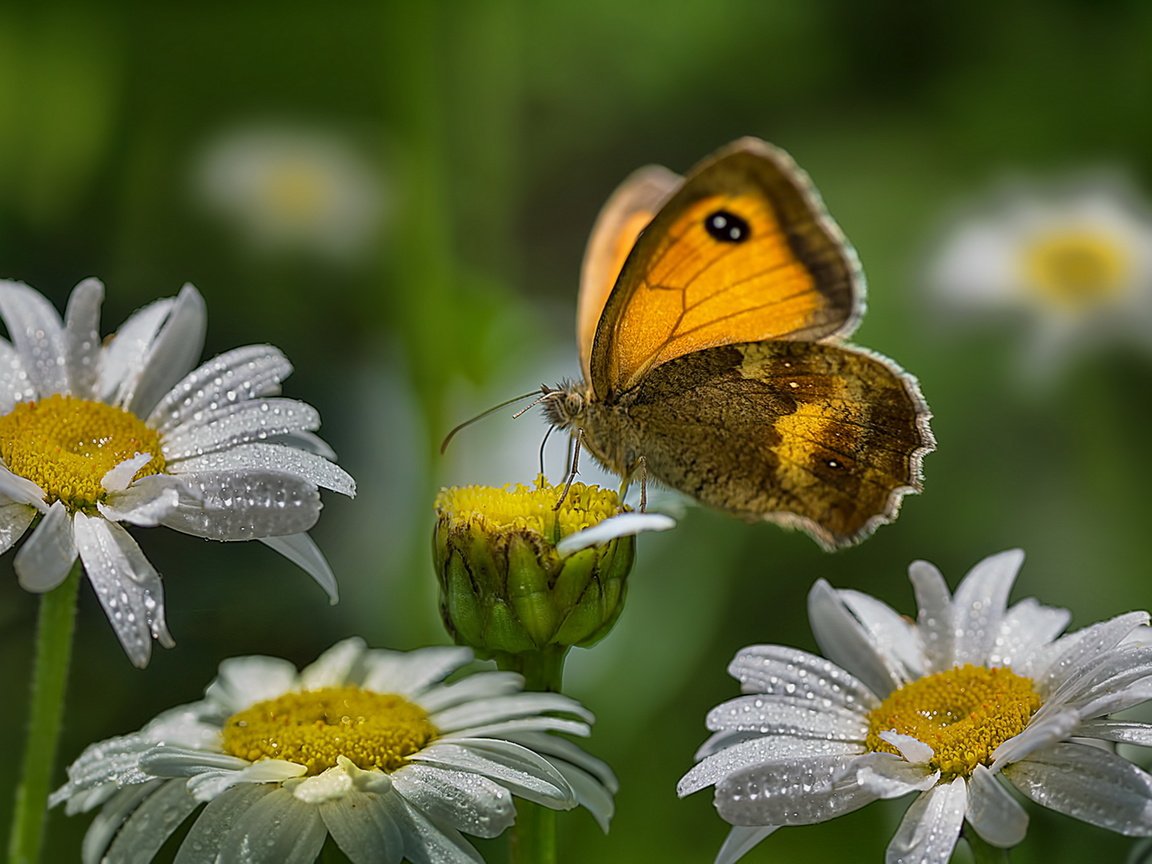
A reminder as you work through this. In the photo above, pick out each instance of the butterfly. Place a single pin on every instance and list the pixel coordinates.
(712, 315)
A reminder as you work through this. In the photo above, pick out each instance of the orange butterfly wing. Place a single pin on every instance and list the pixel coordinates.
(744, 251)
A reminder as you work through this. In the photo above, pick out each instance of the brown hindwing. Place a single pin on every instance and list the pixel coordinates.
(820, 436)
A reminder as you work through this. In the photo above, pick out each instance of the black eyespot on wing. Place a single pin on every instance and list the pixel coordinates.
(726, 226)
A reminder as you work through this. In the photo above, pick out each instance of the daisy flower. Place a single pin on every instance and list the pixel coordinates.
(368, 746)
(972, 698)
(1076, 259)
(95, 435)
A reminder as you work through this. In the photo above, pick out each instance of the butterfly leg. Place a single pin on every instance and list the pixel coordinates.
(573, 468)
(640, 469)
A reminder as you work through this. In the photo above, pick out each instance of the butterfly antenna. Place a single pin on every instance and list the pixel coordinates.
(448, 438)
(545, 393)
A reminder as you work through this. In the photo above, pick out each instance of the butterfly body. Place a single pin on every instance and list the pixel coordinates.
(711, 313)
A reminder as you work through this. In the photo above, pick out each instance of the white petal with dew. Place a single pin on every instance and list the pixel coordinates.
(500, 708)
(303, 440)
(14, 521)
(517, 768)
(1121, 700)
(1127, 664)
(559, 750)
(126, 583)
(931, 826)
(15, 489)
(331, 784)
(302, 551)
(622, 525)
(429, 842)
(481, 685)
(273, 457)
(507, 728)
(15, 386)
(146, 502)
(787, 715)
(276, 829)
(935, 618)
(776, 669)
(244, 373)
(46, 558)
(202, 843)
(892, 633)
(169, 760)
(1026, 628)
(1069, 656)
(244, 681)
(173, 352)
(763, 751)
(467, 801)
(979, 603)
(107, 822)
(590, 793)
(843, 640)
(740, 841)
(1120, 731)
(119, 478)
(122, 358)
(791, 792)
(915, 751)
(37, 334)
(245, 505)
(994, 813)
(409, 672)
(364, 826)
(1089, 784)
(209, 784)
(152, 823)
(242, 423)
(889, 776)
(341, 664)
(1047, 726)
(82, 332)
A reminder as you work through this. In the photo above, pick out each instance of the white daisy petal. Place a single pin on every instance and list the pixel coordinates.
(410, 673)
(889, 776)
(904, 652)
(123, 356)
(38, 336)
(239, 375)
(507, 707)
(19, 490)
(82, 333)
(15, 385)
(466, 801)
(787, 716)
(272, 457)
(979, 605)
(740, 841)
(206, 784)
(622, 525)
(151, 824)
(481, 685)
(245, 505)
(1128, 664)
(776, 669)
(510, 728)
(242, 423)
(1120, 731)
(214, 825)
(14, 521)
(107, 823)
(146, 502)
(994, 813)
(561, 750)
(845, 642)
(46, 558)
(1089, 784)
(935, 620)
(765, 750)
(276, 829)
(1110, 703)
(1025, 629)
(365, 828)
(302, 551)
(337, 666)
(172, 353)
(515, 767)
(1069, 656)
(915, 751)
(429, 842)
(117, 479)
(244, 681)
(1046, 728)
(791, 792)
(126, 583)
(591, 793)
(931, 826)
(303, 440)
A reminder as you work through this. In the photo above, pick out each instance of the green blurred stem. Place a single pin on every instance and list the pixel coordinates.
(533, 839)
(49, 684)
(982, 851)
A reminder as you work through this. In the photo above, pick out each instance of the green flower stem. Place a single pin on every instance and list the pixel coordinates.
(533, 839)
(982, 851)
(49, 684)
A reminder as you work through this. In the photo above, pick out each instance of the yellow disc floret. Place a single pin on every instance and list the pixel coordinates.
(518, 508)
(1077, 269)
(66, 445)
(313, 727)
(963, 714)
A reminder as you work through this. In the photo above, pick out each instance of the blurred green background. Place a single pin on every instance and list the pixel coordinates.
(484, 138)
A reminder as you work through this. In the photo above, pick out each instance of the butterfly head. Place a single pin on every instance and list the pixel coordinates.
(566, 405)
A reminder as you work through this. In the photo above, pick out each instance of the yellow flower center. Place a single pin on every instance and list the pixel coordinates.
(313, 727)
(1077, 269)
(296, 191)
(66, 445)
(521, 508)
(963, 714)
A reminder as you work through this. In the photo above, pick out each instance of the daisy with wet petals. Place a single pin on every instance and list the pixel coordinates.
(368, 746)
(972, 698)
(95, 435)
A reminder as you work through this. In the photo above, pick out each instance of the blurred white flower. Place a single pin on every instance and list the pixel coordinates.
(95, 435)
(287, 189)
(971, 694)
(369, 746)
(1075, 258)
